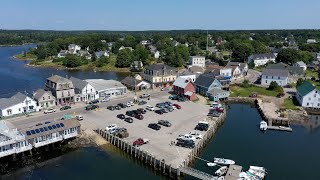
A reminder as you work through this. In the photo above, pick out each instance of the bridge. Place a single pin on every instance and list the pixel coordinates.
(198, 174)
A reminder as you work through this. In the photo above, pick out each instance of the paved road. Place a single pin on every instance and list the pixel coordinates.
(252, 76)
(24, 122)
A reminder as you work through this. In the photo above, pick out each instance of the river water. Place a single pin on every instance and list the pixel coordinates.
(287, 156)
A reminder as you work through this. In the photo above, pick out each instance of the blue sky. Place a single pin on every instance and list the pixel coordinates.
(159, 15)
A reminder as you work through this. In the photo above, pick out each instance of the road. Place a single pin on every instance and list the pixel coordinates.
(39, 117)
(252, 76)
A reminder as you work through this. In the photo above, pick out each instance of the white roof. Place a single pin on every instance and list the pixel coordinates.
(188, 93)
(7, 130)
(181, 82)
(103, 84)
(301, 63)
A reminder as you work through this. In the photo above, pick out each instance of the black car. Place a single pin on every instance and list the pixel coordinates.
(122, 105)
(164, 123)
(92, 107)
(141, 110)
(129, 120)
(65, 108)
(185, 143)
(111, 108)
(158, 111)
(130, 113)
(142, 103)
(94, 101)
(154, 126)
(117, 107)
(121, 116)
(136, 111)
(202, 127)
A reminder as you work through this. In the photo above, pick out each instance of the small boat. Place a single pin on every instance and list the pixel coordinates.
(221, 171)
(257, 173)
(263, 126)
(223, 161)
(211, 164)
(257, 168)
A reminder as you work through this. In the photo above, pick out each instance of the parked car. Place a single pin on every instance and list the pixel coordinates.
(117, 107)
(150, 108)
(79, 117)
(159, 105)
(173, 97)
(122, 105)
(164, 110)
(114, 131)
(174, 107)
(105, 100)
(158, 111)
(92, 107)
(65, 108)
(130, 113)
(122, 133)
(139, 116)
(129, 120)
(136, 112)
(215, 105)
(140, 141)
(130, 103)
(111, 127)
(145, 96)
(121, 116)
(196, 135)
(50, 110)
(111, 108)
(168, 103)
(177, 106)
(143, 111)
(164, 123)
(169, 108)
(202, 126)
(185, 143)
(186, 137)
(96, 101)
(142, 103)
(154, 126)
(39, 124)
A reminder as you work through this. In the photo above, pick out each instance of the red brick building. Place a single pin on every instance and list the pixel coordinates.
(184, 87)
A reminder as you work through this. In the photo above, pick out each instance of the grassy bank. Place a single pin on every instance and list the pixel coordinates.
(310, 73)
(237, 91)
(31, 57)
(291, 103)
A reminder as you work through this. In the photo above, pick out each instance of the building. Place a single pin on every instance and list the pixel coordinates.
(107, 88)
(317, 56)
(44, 99)
(313, 65)
(156, 54)
(73, 48)
(311, 41)
(145, 42)
(136, 66)
(308, 95)
(236, 72)
(242, 66)
(217, 94)
(196, 69)
(261, 59)
(280, 76)
(160, 75)
(189, 75)
(205, 83)
(220, 71)
(135, 84)
(122, 47)
(301, 64)
(197, 61)
(100, 54)
(61, 88)
(17, 104)
(184, 88)
(84, 92)
(62, 54)
(138, 76)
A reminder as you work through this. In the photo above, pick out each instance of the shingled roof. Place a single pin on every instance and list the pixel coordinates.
(275, 72)
(204, 81)
(305, 88)
(8, 102)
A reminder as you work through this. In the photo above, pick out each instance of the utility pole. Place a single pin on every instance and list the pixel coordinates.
(27, 109)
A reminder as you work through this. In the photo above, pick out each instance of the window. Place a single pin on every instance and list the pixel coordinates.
(19, 109)
(307, 104)
(266, 81)
(42, 98)
(49, 97)
(68, 93)
(272, 77)
(279, 77)
(318, 104)
(267, 77)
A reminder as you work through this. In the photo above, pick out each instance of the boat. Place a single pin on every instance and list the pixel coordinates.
(257, 168)
(263, 126)
(253, 176)
(223, 161)
(211, 164)
(257, 173)
(221, 171)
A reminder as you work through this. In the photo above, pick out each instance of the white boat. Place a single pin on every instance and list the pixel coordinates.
(221, 171)
(263, 126)
(253, 176)
(257, 173)
(223, 161)
(211, 164)
(257, 168)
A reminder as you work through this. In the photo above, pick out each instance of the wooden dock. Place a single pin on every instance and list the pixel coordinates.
(233, 172)
(280, 128)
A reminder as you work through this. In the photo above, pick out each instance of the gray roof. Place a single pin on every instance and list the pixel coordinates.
(181, 82)
(58, 79)
(301, 63)
(78, 83)
(8, 102)
(204, 81)
(275, 72)
(230, 63)
(216, 91)
(40, 92)
(264, 56)
(160, 67)
(103, 84)
(130, 81)
(196, 69)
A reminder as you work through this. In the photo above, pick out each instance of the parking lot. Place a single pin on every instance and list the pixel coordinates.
(183, 121)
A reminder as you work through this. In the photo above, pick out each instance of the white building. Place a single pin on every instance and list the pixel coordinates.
(311, 41)
(219, 70)
(84, 92)
(197, 61)
(107, 88)
(17, 104)
(261, 59)
(189, 76)
(236, 72)
(242, 66)
(308, 95)
(280, 76)
(157, 54)
(62, 54)
(74, 48)
(301, 64)
(122, 47)
(99, 54)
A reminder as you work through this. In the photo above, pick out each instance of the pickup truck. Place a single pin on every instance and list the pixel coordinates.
(140, 141)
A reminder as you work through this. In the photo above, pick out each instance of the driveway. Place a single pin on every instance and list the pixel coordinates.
(252, 76)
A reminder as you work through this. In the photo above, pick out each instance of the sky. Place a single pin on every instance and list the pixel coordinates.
(135, 15)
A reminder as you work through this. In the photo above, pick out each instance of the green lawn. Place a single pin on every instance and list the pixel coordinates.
(291, 103)
(237, 91)
(28, 57)
(310, 73)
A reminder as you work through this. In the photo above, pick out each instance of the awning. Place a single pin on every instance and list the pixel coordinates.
(188, 93)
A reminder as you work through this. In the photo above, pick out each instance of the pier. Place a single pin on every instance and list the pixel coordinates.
(233, 172)
(280, 128)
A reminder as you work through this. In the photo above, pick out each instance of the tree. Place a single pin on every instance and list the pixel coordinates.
(288, 56)
(300, 81)
(245, 84)
(141, 54)
(41, 53)
(124, 58)
(242, 51)
(275, 87)
(71, 61)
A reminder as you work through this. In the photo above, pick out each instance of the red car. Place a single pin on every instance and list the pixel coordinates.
(220, 109)
(177, 106)
(140, 141)
(139, 116)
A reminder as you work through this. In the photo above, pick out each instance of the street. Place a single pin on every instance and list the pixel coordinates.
(252, 76)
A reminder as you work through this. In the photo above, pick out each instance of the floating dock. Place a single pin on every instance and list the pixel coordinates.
(280, 128)
(233, 172)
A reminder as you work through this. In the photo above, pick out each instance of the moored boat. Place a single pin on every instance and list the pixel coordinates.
(223, 161)
(221, 171)
(263, 126)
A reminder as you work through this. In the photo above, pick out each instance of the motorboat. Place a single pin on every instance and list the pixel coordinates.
(211, 164)
(257, 168)
(263, 126)
(257, 173)
(223, 161)
(221, 171)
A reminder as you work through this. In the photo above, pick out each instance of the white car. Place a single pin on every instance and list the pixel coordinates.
(105, 100)
(215, 105)
(145, 96)
(130, 103)
(150, 108)
(196, 135)
(111, 127)
(50, 110)
(186, 137)
(174, 107)
(79, 117)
